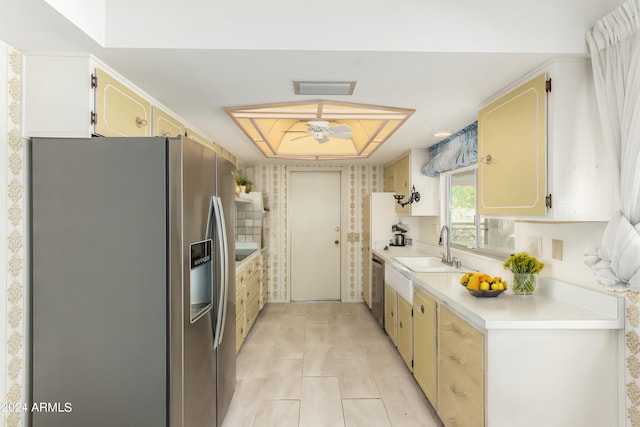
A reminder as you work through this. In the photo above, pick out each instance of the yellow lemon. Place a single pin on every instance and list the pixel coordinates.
(484, 286)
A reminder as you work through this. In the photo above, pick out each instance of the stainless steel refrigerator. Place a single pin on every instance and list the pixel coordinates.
(132, 283)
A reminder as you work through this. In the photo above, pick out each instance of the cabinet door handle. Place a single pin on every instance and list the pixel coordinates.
(391, 313)
(458, 393)
(486, 159)
(456, 359)
(420, 308)
(401, 324)
(140, 122)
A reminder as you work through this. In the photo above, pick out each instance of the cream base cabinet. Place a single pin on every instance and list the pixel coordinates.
(425, 365)
(391, 313)
(405, 173)
(460, 372)
(247, 297)
(541, 153)
(405, 331)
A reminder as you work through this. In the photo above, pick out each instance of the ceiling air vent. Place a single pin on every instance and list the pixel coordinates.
(323, 88)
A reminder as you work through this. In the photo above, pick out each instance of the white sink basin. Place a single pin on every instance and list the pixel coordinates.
(425, 264)
(402, 285)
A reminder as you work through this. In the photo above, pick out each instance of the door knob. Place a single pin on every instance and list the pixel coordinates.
(337, 242)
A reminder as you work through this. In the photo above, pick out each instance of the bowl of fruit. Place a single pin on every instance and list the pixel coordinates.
(482, 285)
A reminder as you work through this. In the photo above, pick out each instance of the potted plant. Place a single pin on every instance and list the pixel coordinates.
(524, 268)
(243, 184)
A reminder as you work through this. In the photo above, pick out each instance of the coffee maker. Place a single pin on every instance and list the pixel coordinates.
(399, 231)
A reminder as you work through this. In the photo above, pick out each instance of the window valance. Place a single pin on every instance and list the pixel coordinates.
(456, 151)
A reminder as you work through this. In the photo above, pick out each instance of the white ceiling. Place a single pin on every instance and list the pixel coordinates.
(441, 58)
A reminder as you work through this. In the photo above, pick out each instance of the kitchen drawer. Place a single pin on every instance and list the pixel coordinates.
(458, 337)
(457, 409)
(252, 288)
(461, 379)
(246, 273)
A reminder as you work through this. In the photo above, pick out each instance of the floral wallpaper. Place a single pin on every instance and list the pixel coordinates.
(632, 356)
(13, 287)
(272, 180)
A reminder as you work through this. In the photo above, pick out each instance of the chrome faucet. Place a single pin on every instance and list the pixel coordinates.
(446, 259)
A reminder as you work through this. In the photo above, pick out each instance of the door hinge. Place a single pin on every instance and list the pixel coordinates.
(94, 81)
(412, 363)
(548, 201)
(547, 86)
(94, 118)
(412, 312)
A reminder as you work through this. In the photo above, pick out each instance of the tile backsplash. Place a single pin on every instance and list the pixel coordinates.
(248, 223)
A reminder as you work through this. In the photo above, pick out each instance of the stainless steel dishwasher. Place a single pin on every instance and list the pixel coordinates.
(377, 289)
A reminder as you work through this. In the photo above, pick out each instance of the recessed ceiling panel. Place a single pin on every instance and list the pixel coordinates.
(318, 129)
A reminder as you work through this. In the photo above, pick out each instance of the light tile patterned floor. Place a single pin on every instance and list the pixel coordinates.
(323, 364)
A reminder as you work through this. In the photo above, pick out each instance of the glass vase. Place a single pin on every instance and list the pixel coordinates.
(523, 283)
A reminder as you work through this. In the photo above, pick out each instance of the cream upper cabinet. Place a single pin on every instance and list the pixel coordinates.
(540, 148)
(424, 344)
(164, 124)
(119, 110)
(405, 331)
(401, 183)
(511, 169)
(388, 179)
(404, 174)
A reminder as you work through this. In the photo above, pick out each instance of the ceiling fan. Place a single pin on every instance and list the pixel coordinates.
(321, 131)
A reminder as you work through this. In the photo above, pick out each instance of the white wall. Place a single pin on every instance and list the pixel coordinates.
(575, 237)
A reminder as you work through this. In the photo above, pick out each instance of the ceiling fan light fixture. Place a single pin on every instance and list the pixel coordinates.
(323, 88)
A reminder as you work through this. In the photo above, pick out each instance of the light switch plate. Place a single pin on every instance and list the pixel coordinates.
(556, 249)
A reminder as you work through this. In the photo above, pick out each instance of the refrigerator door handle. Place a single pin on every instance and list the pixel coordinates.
(209, 218)
(221, 235)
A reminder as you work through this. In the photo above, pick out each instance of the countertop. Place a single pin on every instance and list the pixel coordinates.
(555, 305)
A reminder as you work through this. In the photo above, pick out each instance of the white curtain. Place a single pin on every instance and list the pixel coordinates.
(614, 43)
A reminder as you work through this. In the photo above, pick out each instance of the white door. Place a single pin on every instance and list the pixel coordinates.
(314, 218)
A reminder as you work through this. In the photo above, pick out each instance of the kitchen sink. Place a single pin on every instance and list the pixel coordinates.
(425, 264)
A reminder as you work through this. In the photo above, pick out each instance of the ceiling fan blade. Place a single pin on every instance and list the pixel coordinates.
(339, 128)
(300, 137)
(343, 135)
(319, 124)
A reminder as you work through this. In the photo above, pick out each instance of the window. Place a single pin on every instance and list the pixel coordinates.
(468, 229)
